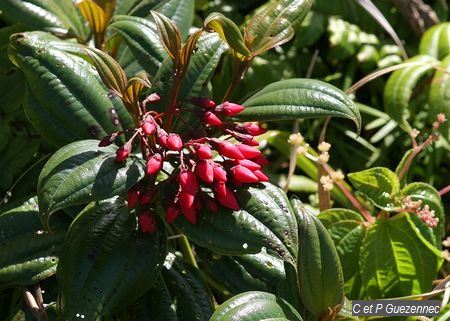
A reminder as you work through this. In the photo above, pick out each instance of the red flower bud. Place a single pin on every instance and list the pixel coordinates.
(248, 164)
(205, 171)
(227, 149)
(187, 207)
(108, 140)
(211, 204)
(227, 199)
(152, 98)
(246, 139)
(203, 151)
(230, 109)
(133, 197)
(211, 119)
(248, 151)
(162, 137)
(203, 102)
(188, 182)
(243, 174)
(154, 164)
(174, 142)
(261, 176)
(254, 129)
(148, 127)
(220, 174)
(147, 196)
(123, 152)
(171, 214)
(190, 214)
(220, 188)
(261, 160)
(147, 222)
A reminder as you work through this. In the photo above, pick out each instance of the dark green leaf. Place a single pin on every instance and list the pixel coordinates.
(181, 12)
(82, 172)
(299, 98)
(66, 100)
(379, 184)
(169, 35)
(29, 254)
(265, 220)
(256, 306)
(272, 26)
(319, 269)
(106, 262)
(396, 260)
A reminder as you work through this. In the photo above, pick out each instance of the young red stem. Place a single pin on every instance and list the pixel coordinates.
(445, 190)
(416, 150)
(239, 70)
(173, 102)
(365, 213)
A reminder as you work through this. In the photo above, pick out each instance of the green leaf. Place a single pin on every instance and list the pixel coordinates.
(142, 38)
(379, 185)
(396, 260)
(256, 306)
(272, 26)
(439, 97)
(265, 220)
(181, 12)
(435, 41)
(228, 32)
(429, 196)
(401, 84)
(66, 100)
(169, 35)
(299, 98)
(250, 272)
(30, 254)
(347, 230)
(319, 270)
(106, 262)
(82, 172)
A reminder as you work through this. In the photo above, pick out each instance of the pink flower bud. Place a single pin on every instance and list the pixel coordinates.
(247, 140)
(248, 151)
(230, 109)
(147, 222)
(149, 126)
(154, 164)
(205, 171)
(248, 164)
(162, 137)
(220, 188)
(133, 197)
(211, 119)
(188, 182)
(171, 214)
(227, 149)
(190, 214)
(261, 160)
(211, 204)
(174, 142)
(152, 98)
(227, 199)
(186, 200)
(261, 176)
(203, 151)
(123, 152)
(254, 129)
(220, 174)
(243, 174)
(203, 102)
(147, 196)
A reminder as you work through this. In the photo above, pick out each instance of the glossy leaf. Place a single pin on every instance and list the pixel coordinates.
(396, 260)
(169, 35)
(265, 220)
(401, 84)
(439, 97)
(58, 79)
(319, 269)
(429, 196)
(299, 98)
(94, 15)
(435, 41)
(256, 306)
(29, 254)
(109, 70)
(106, 262)
(228, 32)
(272, 26)
(82, 172)
(347, 230)
(180, 12)
(379, 185)
(141, 37)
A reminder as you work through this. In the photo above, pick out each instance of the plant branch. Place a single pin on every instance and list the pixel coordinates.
(444, 190)
(239, 70)
(35, 304)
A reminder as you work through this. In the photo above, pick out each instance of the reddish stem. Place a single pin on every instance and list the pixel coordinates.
(369, 218)
(444, 191)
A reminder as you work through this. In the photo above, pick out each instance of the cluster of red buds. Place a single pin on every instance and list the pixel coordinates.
(201, 171)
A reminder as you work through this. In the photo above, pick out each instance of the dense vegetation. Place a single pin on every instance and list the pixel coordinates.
(223, 160)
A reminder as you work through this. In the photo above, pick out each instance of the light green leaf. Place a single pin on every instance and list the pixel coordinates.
(256, 306)
(435, 41)
(82, 172)
(396, 260)
(379, 185)
(106, 262)
(299, 98)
